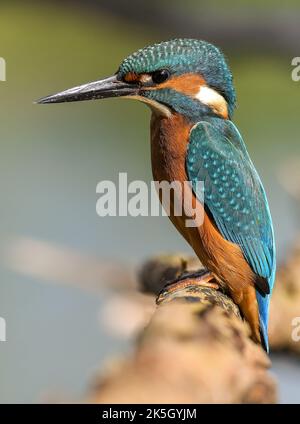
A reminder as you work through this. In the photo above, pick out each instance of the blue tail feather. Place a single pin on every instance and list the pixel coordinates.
(263, 301)
(263, 307)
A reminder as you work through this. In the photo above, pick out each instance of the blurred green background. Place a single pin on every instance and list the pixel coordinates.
(52, 158)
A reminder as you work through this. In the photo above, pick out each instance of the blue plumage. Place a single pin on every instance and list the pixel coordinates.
(235, 198)
(182, 56)
(188, 84)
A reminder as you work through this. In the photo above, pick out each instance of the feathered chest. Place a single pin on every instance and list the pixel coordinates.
(169, 141)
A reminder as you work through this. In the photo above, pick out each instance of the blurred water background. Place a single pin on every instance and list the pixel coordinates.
(53, 157)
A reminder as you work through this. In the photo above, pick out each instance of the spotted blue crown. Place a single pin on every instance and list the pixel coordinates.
(181, 56)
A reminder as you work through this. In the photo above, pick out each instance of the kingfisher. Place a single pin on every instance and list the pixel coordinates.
(189, 87)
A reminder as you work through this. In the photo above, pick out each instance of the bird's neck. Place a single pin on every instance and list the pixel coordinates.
(169, 140)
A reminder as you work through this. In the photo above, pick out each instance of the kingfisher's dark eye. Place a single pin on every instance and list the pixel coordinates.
(160, 76)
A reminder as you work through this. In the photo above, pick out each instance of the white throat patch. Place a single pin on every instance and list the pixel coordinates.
(156, 106)
(213, 99)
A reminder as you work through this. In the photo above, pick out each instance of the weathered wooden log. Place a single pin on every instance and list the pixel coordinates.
(195, 349)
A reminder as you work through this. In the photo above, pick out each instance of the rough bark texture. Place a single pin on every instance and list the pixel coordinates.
(195, 349)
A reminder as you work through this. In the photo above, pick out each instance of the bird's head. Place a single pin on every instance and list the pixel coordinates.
(186, 76)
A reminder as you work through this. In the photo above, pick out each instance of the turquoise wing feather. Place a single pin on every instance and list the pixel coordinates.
(235, 197)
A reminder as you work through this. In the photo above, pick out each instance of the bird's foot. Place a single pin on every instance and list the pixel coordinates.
(202, 278)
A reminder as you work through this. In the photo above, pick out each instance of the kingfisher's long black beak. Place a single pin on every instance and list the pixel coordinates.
(109, 87)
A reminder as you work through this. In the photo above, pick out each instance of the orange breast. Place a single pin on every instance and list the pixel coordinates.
(169, 141)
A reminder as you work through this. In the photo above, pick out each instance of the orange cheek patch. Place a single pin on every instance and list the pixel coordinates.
(131, 77)
(188, 84)
(142, 78)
